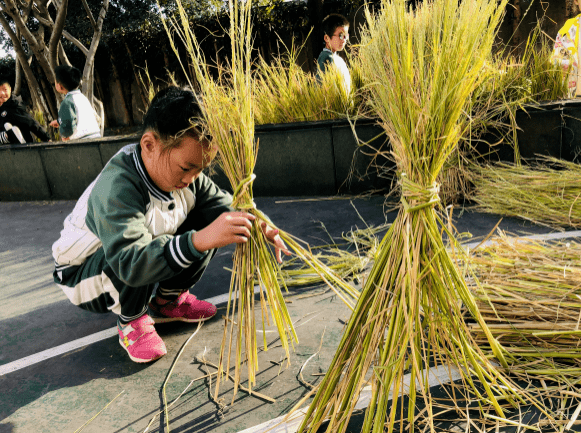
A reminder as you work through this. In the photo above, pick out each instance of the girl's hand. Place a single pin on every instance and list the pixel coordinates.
(54, 123)
(274, 238)
(228, 228)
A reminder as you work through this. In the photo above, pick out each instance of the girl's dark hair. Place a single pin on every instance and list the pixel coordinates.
(332, 21)
(173, 113)
(68, 76)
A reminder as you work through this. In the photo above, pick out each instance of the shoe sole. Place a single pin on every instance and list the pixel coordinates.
(157, 320)
(140, 360)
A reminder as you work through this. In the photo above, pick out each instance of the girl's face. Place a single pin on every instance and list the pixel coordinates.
(338, 40)
(179, 167)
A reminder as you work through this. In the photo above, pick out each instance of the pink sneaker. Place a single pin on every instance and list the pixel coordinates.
(140, 340)
(186, 308)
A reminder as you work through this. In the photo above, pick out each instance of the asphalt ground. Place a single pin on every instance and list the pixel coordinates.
(65, 390)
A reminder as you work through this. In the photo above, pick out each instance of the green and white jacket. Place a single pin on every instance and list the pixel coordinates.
(77, 119)
(134, 221)
(328, 59)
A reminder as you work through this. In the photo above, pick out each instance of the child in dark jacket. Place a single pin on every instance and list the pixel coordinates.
(151, 220)
(16, 125)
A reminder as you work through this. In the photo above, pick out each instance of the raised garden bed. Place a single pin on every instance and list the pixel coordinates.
(295, 159)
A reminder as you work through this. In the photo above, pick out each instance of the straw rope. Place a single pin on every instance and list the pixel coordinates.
(242, 196)
(419, 196)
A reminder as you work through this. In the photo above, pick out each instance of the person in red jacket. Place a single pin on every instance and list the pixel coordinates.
(16, 124)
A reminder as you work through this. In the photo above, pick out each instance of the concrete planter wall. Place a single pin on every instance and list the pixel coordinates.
(313, 158)
(549, 129)
(308, 158)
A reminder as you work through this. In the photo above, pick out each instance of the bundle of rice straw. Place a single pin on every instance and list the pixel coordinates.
(424, 65)
(229, 120)
(546, 194)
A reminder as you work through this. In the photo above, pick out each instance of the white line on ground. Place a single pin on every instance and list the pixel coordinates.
(438, 376)
(102, 335)
(546, 237)
(81, 342)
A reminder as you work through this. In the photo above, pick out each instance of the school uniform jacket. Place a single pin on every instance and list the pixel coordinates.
(134, 221)
(329, 59)
(77, 119)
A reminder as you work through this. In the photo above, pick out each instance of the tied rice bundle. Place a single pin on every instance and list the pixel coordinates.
(229, 119)
(423, 66)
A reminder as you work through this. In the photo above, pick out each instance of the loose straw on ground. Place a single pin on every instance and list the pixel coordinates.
(529, 293)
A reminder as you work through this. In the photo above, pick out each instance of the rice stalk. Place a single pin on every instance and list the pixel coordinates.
(285, 93)
(513, 83)
(228, 103)
(423, 67)
(547, 194)
(338, 257)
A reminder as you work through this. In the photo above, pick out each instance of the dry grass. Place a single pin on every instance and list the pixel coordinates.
(547, 194)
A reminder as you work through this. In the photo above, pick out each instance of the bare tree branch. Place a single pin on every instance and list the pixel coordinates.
(63, 56)
(87, 86)
(56, 33)
(90, 15)
(33, 85)
(36, 45)
(66, 34)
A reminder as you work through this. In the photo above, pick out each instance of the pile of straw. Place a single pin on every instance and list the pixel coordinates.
(424, 66)
(530, 297)
(547, 194)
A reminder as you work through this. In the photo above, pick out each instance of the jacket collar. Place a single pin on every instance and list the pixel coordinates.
(151, 186)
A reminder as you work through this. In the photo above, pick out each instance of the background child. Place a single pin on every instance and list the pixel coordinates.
(566, 54)
(16, 124)
(151, 220)
(77, 119)
(336, 29)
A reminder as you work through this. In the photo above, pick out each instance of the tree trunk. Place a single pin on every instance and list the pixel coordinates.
(17, 72)
(126, 108)
(87, 87)
(56, 33)
(108, 119)
(260, 40)
(316, 16)
(64, 60)
(516, 19)
(37, 46)
(309, 53)
(144, 98)
(47, 91)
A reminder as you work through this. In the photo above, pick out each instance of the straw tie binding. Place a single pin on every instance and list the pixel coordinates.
(415, 197)
(241, 192)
